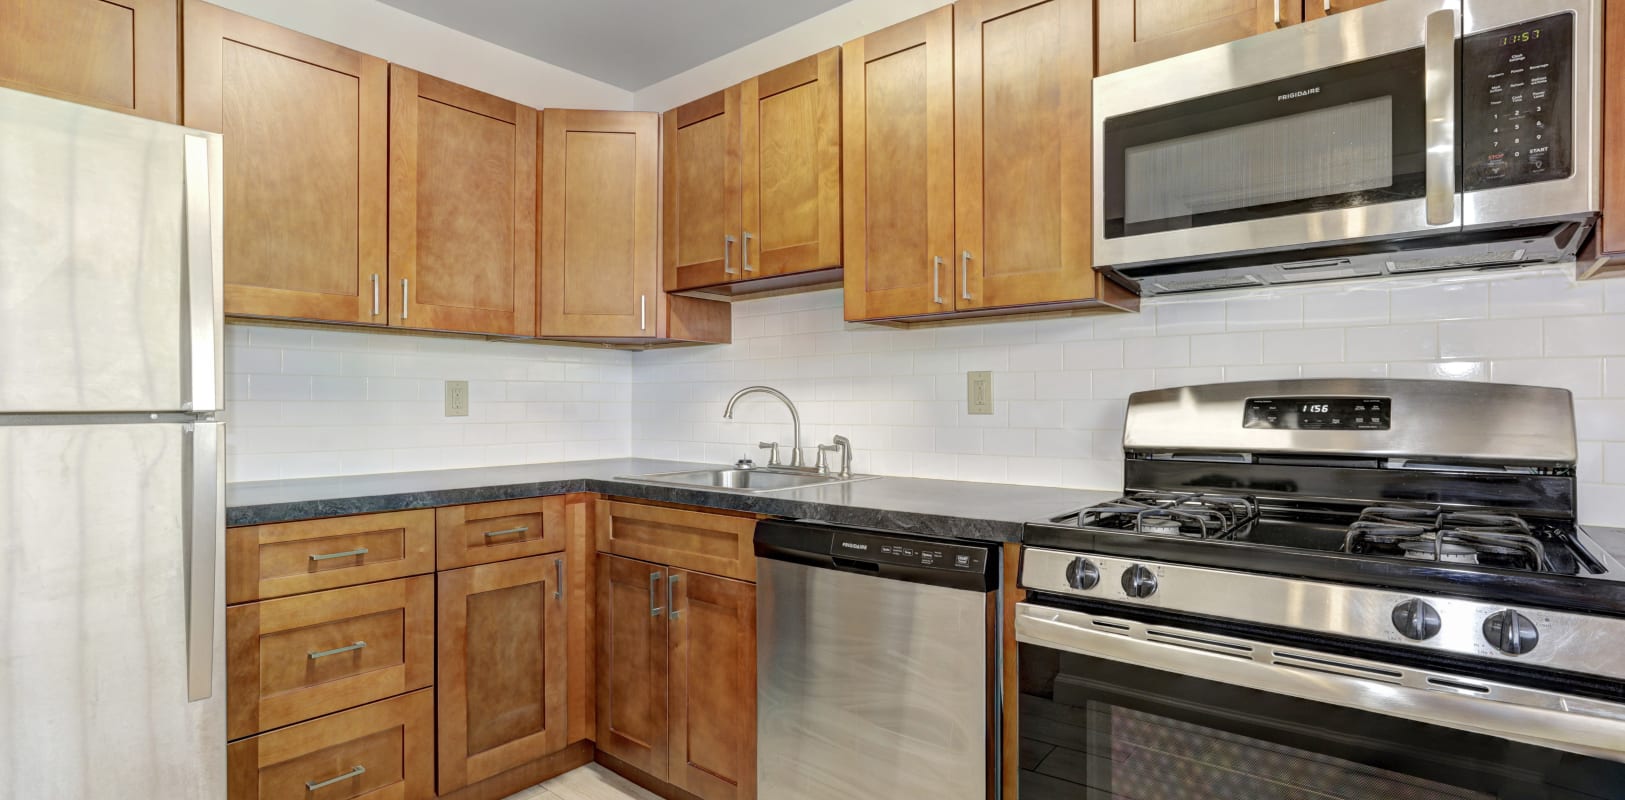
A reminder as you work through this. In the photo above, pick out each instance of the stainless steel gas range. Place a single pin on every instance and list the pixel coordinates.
(1329, 588)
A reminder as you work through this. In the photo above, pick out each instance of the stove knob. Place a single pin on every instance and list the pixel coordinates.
(1082, 574)
(1139, 581)
(1415, 619)
(1511, 633)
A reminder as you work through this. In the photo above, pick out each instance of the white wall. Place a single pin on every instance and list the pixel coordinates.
(394, 35)
(829, 29)
(1060, 385)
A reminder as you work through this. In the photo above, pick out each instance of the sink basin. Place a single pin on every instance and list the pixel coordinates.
(755, 480)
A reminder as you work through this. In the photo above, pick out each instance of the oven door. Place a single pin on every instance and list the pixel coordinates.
(1343, 129)
(1115, 708)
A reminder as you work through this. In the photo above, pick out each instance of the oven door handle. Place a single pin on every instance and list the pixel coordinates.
(1439, 97)
(1532, 716)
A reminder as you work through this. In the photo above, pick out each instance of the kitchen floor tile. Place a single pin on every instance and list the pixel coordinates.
(590, 782)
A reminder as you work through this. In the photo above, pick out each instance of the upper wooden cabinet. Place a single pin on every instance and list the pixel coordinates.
(1606, 253)
(1134, 32)
(1318, 9)
(306, 179)
(117, 54)
(462, 208)
(702, 197)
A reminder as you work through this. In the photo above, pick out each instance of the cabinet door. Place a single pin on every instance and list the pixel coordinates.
(117, 54)
(501, 661)
(1135, 32)
(481, 533)
(382, 750)
(701, 192)
(1611, 230)
(1021, 147)
(632, 663)
(600, 234)
(898, 151)
(462, 208)
(712, 685)
(1317, 9)
(306, 165)
(792, 168)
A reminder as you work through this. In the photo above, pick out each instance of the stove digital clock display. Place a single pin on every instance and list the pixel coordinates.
(1318, 413)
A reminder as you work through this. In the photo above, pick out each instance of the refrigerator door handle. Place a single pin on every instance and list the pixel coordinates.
(202, 527)
(201, 369)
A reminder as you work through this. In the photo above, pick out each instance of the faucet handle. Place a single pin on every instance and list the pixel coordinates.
(773, 452)
(823, 464)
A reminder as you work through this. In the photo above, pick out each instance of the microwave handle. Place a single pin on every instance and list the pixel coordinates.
(1439, 86)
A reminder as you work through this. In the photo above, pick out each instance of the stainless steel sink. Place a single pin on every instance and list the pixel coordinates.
(755, 480)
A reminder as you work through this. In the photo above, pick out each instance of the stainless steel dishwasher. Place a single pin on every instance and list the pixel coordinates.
(877, 665)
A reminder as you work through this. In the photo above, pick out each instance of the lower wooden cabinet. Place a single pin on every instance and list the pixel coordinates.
(632, 663)
(381, 750)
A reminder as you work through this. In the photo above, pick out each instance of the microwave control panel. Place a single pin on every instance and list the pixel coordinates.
(1517, 103)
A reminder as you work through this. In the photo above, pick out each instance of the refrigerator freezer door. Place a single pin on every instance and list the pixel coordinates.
(96, 651)
(109, 261)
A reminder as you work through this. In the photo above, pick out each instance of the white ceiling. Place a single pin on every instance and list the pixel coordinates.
(627, 43)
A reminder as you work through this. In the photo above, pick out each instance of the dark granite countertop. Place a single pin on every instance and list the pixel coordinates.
(957, 509)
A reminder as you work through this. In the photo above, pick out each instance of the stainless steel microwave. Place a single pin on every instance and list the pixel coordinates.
(1404, 136)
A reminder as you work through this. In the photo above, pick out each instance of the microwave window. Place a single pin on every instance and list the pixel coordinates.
(1327, 151)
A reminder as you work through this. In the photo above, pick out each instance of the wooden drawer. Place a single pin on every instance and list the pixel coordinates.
(388, 746)
(704, 541)
(295, 557)
(281, 668)
(487, 532)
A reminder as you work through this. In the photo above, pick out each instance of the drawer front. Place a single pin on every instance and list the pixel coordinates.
(720, 544)
(295, 557)
(486, 532)
(296, 658)
(382, 751)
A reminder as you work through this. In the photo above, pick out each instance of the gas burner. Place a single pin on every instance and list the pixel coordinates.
(1460, 537)
(1193, 515)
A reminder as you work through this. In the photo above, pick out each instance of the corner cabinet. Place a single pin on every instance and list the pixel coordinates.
(306, 169)
(113, 54)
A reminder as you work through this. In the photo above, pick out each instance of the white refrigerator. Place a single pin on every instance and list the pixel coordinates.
(111, 456)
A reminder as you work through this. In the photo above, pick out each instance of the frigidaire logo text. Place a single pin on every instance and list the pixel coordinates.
(854, 546)
(1299, 93)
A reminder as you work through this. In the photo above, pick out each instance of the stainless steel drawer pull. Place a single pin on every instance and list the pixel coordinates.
(671, 595)
(506, 531)
(1278, 13)
(359, 551)
(744, 251)
(335, 651)
(558, 579)
(311, 786)
(654, 592)
(727, 255)
(964, 274)
(375, 294)
(406, 297)
(936, 280)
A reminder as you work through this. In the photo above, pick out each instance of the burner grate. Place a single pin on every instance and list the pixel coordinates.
(1196, 515)
(1434, 534)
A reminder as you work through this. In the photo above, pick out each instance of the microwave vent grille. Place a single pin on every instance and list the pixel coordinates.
(1485, 259)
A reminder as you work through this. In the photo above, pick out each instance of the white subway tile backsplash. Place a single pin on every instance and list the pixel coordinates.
(1359, 305)
(1266, 312)
(1225, 349)
(1585, 335)
(1543, 295)
(1393, 343)
(1105, 354)
(1582, 376)
(1520, 338)
(1158, 351)
(1304, 346)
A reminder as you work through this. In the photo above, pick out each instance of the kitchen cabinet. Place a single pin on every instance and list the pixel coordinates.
(632, 663)
(702, 198)
(716, 542)
(462, 208)
(114, 54)
(487, 532)
(380, 750)
(1135, 32)
(306, 168)
(1320, 9)
(1605, 255)
(286, 558)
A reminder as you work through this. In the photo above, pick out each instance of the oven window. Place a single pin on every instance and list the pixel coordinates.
(1093, 729)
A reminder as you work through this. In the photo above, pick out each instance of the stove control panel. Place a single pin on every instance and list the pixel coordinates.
(1319, 413)
(1517, 103)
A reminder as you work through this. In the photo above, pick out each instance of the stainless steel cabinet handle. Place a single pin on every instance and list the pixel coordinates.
(1326, 6)
(1439, 81)
(358, 771)
(558, 579)
(964, 274)
(654, 592)
(506, 531)
(359, 551)
(1277, 13)
(375, 294)
(202, 281)
(406, 295)
(204, 465)
(671, 594)
(727, 254)
(315, 654)
(936, 280)
(643, 312)
(744, 251)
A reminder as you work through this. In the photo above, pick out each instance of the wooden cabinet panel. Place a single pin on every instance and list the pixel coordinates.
(462, 208)
(718, 543)
(1022, 152)
(507, 529)
(1318, 9)
(600, 232)
(116, 54)
(501, 663)
(701, 192)
(297, 658)
(898, 153)
(1134, 32)
(791, 145)
(580, 590)
(712, 685)
(386, 749)
(286, 558)
(1609, 243)
(632, 663)
(306, 179)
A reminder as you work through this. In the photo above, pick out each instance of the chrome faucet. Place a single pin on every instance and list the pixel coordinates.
(795, 418)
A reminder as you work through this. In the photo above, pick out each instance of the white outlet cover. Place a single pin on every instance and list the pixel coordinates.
(979, 392)
(456, 398)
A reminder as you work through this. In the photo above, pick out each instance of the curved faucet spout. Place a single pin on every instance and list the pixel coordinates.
(795, 417)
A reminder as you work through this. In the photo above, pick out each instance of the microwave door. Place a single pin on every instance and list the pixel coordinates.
(1338, 130)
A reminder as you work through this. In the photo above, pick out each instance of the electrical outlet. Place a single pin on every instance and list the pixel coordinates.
(456, 398)
(979, 392)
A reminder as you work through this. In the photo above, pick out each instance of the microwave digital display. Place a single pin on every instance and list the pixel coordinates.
(1517, 103)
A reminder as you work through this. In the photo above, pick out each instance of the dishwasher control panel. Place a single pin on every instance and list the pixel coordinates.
(908, 552)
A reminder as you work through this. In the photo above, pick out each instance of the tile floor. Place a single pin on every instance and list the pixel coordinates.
(590, 782)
